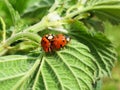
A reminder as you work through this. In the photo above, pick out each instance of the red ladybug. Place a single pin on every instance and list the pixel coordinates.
(51, 42)
(59, 41)
(46, 42)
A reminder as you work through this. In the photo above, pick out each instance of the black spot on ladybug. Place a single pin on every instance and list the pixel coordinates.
(60, 45)
(63, 40)
(45, 42)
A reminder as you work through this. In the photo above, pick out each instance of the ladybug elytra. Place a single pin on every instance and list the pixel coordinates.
(52, 42)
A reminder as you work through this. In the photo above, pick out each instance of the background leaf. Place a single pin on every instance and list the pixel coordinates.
(36, 10)
(105, 10)
(20, 5)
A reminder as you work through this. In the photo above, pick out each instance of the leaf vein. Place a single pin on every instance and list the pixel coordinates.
(69, 69)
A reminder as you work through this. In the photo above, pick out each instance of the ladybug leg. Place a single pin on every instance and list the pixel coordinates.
(49, 49)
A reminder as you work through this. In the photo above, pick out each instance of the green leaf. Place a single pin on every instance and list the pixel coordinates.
(72, 68)
(88, 57)
(105, 9)
(12, 68)
(37, 8)
(98, 85)
(101, 48)
(5, 14)
(19, 5)
(34, 5)
(94, 24)
(14, 14)
(15, 17)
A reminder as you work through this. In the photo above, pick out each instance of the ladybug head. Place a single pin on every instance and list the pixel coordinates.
(67, 38)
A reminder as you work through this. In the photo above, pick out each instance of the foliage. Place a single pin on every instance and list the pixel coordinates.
(79, 66)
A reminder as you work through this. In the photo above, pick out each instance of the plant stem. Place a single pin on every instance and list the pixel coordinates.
(54, 6)
(79, 11)
(44, 24)
(21, 35)
(37, 27)
(4, 29)
(103, 7)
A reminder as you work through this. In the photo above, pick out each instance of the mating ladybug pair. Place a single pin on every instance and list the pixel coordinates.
(52, 42)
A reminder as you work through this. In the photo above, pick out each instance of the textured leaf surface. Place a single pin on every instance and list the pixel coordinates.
(12, 68)
(106, 9)
(71, 68)
(100, 47)
(88, 57)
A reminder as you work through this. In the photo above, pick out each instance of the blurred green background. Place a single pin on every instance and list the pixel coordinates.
(113, 33)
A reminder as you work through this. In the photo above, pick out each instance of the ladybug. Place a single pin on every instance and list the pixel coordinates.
(52, 42)
(46, 42)
(59, 41)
